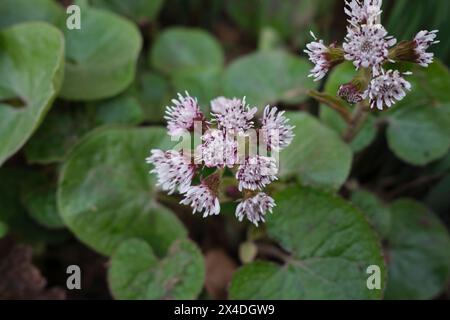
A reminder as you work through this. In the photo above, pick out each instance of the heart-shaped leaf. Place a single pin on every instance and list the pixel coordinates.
(418, 253)
(183, 49)
(317, 155)
(377, 213)
(136, 273)
(106, 195)
(31, 65)
(18, 11)
(138, 10)
(100, 57)
(331, 245)
(268, 77)
(419, 125)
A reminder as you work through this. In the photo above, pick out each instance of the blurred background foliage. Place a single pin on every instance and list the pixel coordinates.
(80, 109)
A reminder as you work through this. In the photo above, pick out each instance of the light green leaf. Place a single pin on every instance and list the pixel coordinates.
(101, 56)
(377, 213)
(138, 10)
(18, 11)
(419, 125)
(136, 273)
(331, 246)
(317, 155)
(269, 77)
(31, 65)
(182, 49)
(106, 195)
(342, 74)
(417, 253)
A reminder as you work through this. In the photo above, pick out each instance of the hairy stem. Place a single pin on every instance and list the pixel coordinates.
(357, 121)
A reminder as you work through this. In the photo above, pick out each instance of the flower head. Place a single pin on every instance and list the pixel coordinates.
(173, 169)
(202, 199)
(366, 12)
(182, 115)
(387, 89)
(218, 149)
(368, 46)
(323, 57)
(423, 40)
(255, 208)
(256, 172)
(276, 132)
(351, 92)
(232, 114)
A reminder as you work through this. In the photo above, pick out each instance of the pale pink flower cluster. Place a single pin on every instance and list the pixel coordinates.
(368, 45)
(177, 170)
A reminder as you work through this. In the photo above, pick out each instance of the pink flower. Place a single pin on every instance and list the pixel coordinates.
(255, 208)
(387, 89)
(182, 115)
(256, 172)
(202, 199)
(276, 132)
(232, 114)
(423, 40)
(173, 169)
(368, 46)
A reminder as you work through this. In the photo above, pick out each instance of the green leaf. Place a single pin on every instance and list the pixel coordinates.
(331, 246)
(3, 229)
(317, 155)
(101, 57)
(204, 84)
(31, 64)
(342, 74)
(136, 273)
(13, 185)
(417, 253)
(154, 94)
(419, 125)
(18, 11)
(377, 213)
(65, 126)
(182, 49)
(106, 195)
(138, 10)
(292, 19)
(269, 77)
(39, 198)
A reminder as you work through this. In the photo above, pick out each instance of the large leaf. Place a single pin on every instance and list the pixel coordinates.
(341, 75)
(64, 126)
(15, 183)
(31, 65)
(377, 213)
(154, 94)
(331, 246)
(268, 77)
(136, 273)
(101, 56)
(18, 11)
(138, 10)
(417, 253)
(183, 49)
(419, 126)
(317, 155)
(107, 196)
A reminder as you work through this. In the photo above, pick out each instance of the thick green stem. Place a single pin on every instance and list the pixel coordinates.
(357, 121)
